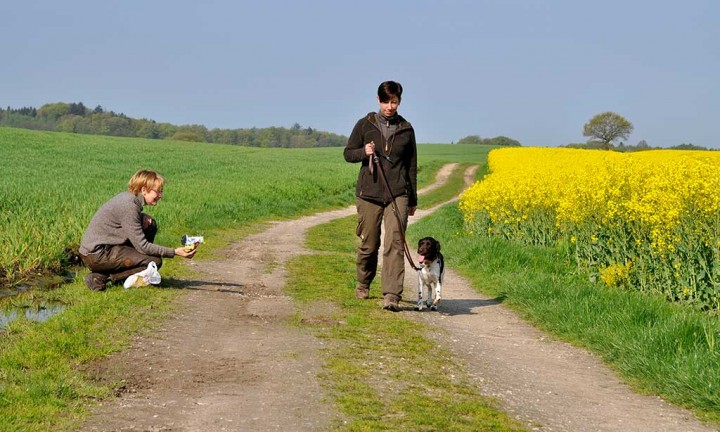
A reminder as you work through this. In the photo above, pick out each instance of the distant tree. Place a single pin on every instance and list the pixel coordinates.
(187, 136)
(26, 111)
(98, 110)
(607, 127)
(502, 141)
(596, 145)
(147, 129)
(119, 126)
(69, 124)
(471, 139)
(497, 141)
(199, 131)
(77, 109)
(54, 110)
(688, 146)
(643, 145)
(224, 136)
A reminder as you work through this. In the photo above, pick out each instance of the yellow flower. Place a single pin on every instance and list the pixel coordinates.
(656, 206)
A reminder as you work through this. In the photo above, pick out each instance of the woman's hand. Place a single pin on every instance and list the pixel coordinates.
(411, 210)
(370, 148)
(183, 253)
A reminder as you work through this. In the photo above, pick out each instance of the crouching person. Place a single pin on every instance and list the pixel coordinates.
(119, 239)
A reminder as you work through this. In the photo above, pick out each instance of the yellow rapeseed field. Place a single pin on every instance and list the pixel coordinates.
(647, 220)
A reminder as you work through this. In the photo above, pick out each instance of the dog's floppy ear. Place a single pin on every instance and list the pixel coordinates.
(438, 245)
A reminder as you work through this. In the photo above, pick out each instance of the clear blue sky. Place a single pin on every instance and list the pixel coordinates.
(533, 70)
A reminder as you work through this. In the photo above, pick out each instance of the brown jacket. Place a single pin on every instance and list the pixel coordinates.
(401, 168)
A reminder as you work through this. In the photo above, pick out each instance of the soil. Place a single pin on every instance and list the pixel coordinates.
(229, 361)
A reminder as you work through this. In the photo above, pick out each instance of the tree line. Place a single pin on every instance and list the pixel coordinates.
(77, 118)
(497, 141)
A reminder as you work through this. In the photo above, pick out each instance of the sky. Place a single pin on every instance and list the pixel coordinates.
(535, 71)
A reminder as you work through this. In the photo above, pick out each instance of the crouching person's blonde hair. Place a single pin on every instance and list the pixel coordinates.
(147, 179)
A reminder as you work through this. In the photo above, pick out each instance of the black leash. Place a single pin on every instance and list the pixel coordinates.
(376, 160)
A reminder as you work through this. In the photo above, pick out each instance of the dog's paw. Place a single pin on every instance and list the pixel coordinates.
(419, 305)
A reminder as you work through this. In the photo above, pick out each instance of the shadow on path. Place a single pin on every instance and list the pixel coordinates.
(454, 307)
(201, 285)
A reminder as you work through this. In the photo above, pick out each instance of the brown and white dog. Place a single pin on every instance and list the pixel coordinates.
(431, 274)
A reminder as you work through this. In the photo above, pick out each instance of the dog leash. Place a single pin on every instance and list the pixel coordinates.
(381, 170)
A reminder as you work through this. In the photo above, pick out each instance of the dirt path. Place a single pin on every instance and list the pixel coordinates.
(228, 362)
(550, 385)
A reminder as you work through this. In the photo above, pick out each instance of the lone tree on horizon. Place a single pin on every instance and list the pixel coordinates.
(608, 127)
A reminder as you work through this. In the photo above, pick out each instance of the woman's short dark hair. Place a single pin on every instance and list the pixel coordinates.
(388, 89)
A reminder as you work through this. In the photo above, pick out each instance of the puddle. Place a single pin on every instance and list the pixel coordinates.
(38, 310)
(42, 283)
(38, 313)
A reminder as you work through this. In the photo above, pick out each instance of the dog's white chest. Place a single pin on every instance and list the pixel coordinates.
(431, 274)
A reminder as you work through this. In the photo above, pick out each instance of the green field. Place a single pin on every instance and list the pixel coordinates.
(51, 184)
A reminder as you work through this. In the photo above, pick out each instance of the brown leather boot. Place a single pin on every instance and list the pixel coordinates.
(95, 281)
(391, 302)
(362, 291)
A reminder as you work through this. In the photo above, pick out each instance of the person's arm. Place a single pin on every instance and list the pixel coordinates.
(147, 221)
(355, 148)
(412, 173)
(131, 223)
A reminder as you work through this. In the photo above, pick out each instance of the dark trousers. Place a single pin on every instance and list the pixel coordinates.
(117, 262)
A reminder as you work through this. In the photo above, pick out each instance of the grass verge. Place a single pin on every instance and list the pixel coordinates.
(42, 386)
(659, 348)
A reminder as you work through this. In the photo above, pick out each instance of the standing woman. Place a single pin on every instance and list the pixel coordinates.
(392, 138)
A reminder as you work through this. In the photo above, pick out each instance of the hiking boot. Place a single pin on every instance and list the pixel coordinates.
(95, 281)
(390, 302)
(362, 291)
